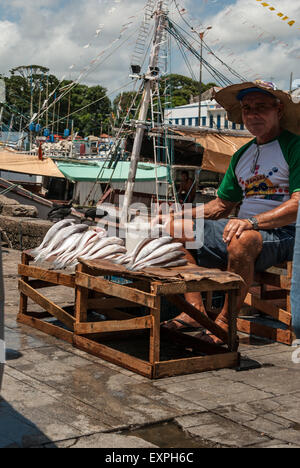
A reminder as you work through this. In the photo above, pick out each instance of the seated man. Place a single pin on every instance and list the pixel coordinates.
(265, 176)
(187, 189)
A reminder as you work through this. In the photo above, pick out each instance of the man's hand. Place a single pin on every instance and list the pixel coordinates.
(235, 227)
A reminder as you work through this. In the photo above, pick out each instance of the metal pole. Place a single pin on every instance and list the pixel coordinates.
(149, 81)
(200, 79)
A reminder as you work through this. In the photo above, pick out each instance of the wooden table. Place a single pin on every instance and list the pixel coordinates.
(146, 289)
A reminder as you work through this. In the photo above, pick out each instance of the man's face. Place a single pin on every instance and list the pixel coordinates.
(261, 114)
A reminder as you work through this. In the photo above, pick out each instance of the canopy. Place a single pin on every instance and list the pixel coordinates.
(92, 172)
(26, 164)
(219, 149)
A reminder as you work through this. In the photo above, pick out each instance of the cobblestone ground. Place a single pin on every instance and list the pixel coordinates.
(56, 396)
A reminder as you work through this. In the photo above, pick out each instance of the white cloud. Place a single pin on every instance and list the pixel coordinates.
(53, 33)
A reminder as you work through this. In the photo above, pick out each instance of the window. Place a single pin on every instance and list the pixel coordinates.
(203, 121)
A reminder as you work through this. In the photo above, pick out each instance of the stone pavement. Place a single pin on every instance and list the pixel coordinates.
(56, 396)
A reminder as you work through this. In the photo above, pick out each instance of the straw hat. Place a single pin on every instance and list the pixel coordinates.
(228, 98)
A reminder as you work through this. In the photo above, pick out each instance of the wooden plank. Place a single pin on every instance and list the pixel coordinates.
(273, 279)
(46, 275)
(81, 299)
(112, 355)
(200, 317)
(47, 305)
(115, 290)
(46, 327)
(268, 308)
(263, 331)
(154, 349)
(183, 287)
(138, 323)
(195, 364)
(23, 298)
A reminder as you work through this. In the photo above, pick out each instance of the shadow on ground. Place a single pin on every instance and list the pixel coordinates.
(18, 432)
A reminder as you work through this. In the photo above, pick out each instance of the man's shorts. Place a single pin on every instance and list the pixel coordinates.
(278, 246)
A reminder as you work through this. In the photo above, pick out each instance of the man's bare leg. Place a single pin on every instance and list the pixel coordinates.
(242, 254)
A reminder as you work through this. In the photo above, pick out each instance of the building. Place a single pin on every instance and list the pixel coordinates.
(212, 116)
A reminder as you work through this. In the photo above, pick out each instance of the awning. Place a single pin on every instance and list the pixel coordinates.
(27, 164)
(97, 171)
(219, 149)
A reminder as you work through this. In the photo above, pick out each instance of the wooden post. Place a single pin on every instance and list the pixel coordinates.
(23, 298)
(81, 299)
(154, 352)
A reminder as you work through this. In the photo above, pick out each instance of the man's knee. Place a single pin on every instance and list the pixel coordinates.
(248, 245)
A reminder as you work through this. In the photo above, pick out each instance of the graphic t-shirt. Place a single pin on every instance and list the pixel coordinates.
(263, 176)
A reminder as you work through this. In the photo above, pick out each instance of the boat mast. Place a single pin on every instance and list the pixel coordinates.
(149, 81)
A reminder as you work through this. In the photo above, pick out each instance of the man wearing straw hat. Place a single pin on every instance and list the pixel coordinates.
(264, 177)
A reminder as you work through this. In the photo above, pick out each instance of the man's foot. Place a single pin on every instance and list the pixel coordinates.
(208, 337)
(182, 322)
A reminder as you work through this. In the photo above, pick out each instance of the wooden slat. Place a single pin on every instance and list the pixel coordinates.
(47, 305)
(201, 318)
(48, 276)
(183, 287)
(138, 323)
(115, 290)
(154, 349)
(112, 355)
(195, 364)
(263, 331)
(46, 327)
(268, 308)
(23, 298)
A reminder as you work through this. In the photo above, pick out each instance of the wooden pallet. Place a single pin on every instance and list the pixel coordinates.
(271, 296)
(120, 304)
(146, 290)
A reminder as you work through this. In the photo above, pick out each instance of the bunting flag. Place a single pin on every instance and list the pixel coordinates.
(282, 16)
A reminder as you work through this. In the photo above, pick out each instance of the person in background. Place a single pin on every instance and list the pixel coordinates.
(187, 189)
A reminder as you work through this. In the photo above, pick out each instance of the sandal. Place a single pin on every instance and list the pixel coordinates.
(185, 326)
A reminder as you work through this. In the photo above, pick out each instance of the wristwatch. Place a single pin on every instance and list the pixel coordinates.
(254, 223)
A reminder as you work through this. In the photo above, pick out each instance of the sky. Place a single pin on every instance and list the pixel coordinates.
(72, 37)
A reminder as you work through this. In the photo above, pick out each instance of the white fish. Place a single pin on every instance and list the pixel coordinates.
(176, 263)
(138, 248)
(60, 236)
(160, 262)
(76, 239)
(51, 233)
(84, 246)
(152, 246)
(65, 245)
(103, 253)
(160, 252)
(103, 243)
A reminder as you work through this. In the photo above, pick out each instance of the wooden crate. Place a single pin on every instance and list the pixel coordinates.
(272, 297)
(32, 279)
(146, 290)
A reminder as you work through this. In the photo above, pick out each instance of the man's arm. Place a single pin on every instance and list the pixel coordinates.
(282, 215)
(215, 209)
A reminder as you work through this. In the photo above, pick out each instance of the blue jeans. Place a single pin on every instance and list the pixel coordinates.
(295, 292)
